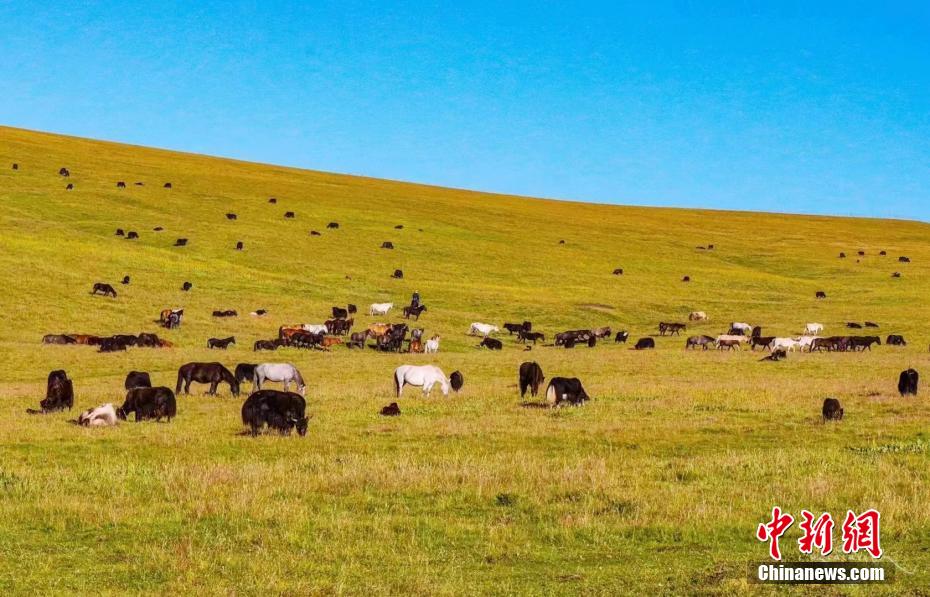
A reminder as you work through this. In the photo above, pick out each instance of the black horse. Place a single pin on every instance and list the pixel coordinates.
(104, 289)
(221, 343)
(245, 371)
(211, 373)
(411, 311)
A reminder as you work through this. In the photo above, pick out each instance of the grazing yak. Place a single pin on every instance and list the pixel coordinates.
(491, 344)
(132, 235)
(280, 411)
(149, 403)
(456, 380)
(531, 377)
(120, 232)
(832, 411)
(104, 289)
(167, 185)
(398, 274)
(59, 394)
(821, 294)
(240, 245)
(564, 389)
(391, 410)
(137, 379)
(333, 225)
(895, 340)
(70, 186)
(221, 343)
(387, 245)
(102, 416)
(621, 337)
(618, 271)
(186, 286)
(231, 216)
(907, 382)
(211, 373)
(181, 242)
(125, 280)
(644, 344)
(120, 184)
(289, 215)
(904, 259)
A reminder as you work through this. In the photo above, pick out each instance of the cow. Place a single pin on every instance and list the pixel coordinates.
(813, 328)
(149, 403)
(697, 316)
(645, 344)
(832, 411)
(686, 279)
(483, 329)
(491, 344)
(259, 313)
(315, 233)
(702, 341)
(272, 200)
(102, 416)
(907, 382)
(896, 275)
(137, 379)
(379, 308)
(842, 255)
(104, 289)
(132, 235)
(821, 294)
(15, 166)
(564, 389)
(280, 411)
(871, 324)
(621, 337)
(895, 340)
(530, 377)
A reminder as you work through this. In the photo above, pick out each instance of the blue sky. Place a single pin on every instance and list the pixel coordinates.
(794, 108)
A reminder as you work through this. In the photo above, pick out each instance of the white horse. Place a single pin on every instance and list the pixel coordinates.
(102, 416)
(788, 344)
(425, 376)
(484, 329)
(432, 345)
(741, 326)
(812, 329)
(806, 341)
(284, 372)
(313, 328)
(380, 308)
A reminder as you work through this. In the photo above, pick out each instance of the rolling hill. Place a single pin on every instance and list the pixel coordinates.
(657, 485)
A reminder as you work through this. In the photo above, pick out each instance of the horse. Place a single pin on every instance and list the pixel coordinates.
(245, 371)
(432, 345)
(702, 341)
(813, 328)
(411, 311)
(485, 329)
(58, 339)
(380, 308)
(221, 343)
(104, 289)
(425, 376)
(211, 373)
(283, 372)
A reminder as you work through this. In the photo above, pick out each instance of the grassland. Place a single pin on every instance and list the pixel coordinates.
(655, 487)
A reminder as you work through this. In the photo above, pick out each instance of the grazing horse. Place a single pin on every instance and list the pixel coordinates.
(221, 343)
(282, 372)
(425, 376)
(813, 329)
(702, 341)
(58, 339)
(523, 336)
(411, 311)
(245, 372)
(281, 411)
(531, 377)
(104, 289)
(671, 328)
(730, 342)
(211, 373)
(357, 340)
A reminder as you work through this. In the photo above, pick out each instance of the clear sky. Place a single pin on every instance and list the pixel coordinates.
(818, 107)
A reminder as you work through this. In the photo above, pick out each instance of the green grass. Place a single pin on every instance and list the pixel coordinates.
(654, 487)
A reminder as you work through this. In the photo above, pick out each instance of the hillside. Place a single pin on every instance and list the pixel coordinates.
(658, 482)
